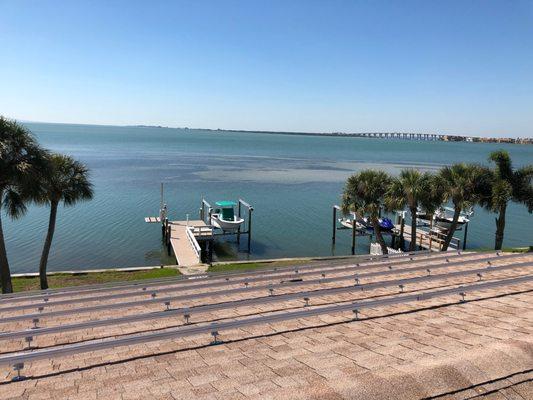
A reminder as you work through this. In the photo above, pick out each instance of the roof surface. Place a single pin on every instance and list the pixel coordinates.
(438, 348)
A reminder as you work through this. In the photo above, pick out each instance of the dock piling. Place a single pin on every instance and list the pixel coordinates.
(249, 228)
(334, 224)
(353, 237)
(464, 237)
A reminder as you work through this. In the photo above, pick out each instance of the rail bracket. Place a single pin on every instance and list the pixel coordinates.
(18, 367)
(28, 339)
(215, 338)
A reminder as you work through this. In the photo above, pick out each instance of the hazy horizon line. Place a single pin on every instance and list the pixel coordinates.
(138, 125)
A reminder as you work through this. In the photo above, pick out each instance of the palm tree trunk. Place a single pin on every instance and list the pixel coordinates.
(5, 274)
(412, 245)
(451, 231)
(500, 227)
(379, 236)
(47, 245)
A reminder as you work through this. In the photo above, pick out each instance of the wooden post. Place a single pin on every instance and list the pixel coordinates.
(334, 225)
(162, 198)
(168, 240)
(249, 227)
(164, 228)
(402, 239)
(464, 237)
(210, 256)
(239, 228)
(353, 237)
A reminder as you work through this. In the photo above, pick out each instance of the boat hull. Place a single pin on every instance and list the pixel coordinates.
(225, 225)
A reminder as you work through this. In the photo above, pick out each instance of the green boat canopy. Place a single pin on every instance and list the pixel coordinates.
(225, 203)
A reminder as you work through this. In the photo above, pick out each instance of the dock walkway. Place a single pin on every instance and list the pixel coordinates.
(429, 241)
(185, 250)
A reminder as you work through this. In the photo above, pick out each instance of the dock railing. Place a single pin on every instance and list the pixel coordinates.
(194, 243)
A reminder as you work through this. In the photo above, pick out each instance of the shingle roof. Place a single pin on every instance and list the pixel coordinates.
(438, 347)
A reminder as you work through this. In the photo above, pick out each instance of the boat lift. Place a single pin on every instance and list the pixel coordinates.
(206, 212)
(189, 239)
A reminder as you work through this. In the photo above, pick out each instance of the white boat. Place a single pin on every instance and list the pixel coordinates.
(423, 218)
(444, 216)
(348, 223)
(224, 217)
(365, 224)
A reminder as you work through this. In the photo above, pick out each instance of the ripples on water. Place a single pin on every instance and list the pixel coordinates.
(292, 181)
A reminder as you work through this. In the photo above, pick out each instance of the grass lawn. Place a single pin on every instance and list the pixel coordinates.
(509, 249)
(62, 280)
(254, 265)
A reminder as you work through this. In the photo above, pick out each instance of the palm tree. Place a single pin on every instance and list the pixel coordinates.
(20, 166)
(463, 186)
(508, 184)
(364, 194)
(66, 181)
(413, 189)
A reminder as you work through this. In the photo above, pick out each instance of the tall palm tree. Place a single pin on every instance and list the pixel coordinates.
(66, 181)
(413, 188)
(20, 166)
(364, 194)
(508, 184)
(463, 186)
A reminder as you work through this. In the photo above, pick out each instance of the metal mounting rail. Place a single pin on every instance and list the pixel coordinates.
(246, 281)
(187, 312)
(18, 359)
(182, 279)
(200, 283)
(154, 299)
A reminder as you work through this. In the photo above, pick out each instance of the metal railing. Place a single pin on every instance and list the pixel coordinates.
(18, 359)
(194, 243)
(142, 287)
(305, 296)
(161, 300)
(246, 280)
(194, 278)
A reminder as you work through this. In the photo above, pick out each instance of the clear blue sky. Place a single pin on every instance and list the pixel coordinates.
(463, 67)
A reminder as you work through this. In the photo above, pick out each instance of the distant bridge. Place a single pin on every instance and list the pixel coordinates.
(398, 135)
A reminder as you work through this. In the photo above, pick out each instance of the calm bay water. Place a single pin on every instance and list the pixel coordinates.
(292, 182)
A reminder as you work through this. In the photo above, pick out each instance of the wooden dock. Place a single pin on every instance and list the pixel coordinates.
(186, 248)
(428, 240)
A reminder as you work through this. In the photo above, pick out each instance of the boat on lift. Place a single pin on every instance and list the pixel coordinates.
(224, 218)
(348, 223)
(365, 224)
(444, 216)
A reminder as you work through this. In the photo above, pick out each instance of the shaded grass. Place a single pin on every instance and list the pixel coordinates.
(89, 278)
(253, 265)
(509, 249)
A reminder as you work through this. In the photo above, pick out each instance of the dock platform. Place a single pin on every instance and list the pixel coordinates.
(429, 241)
(186, 248)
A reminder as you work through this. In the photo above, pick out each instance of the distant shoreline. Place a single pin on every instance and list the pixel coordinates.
(374, 135)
